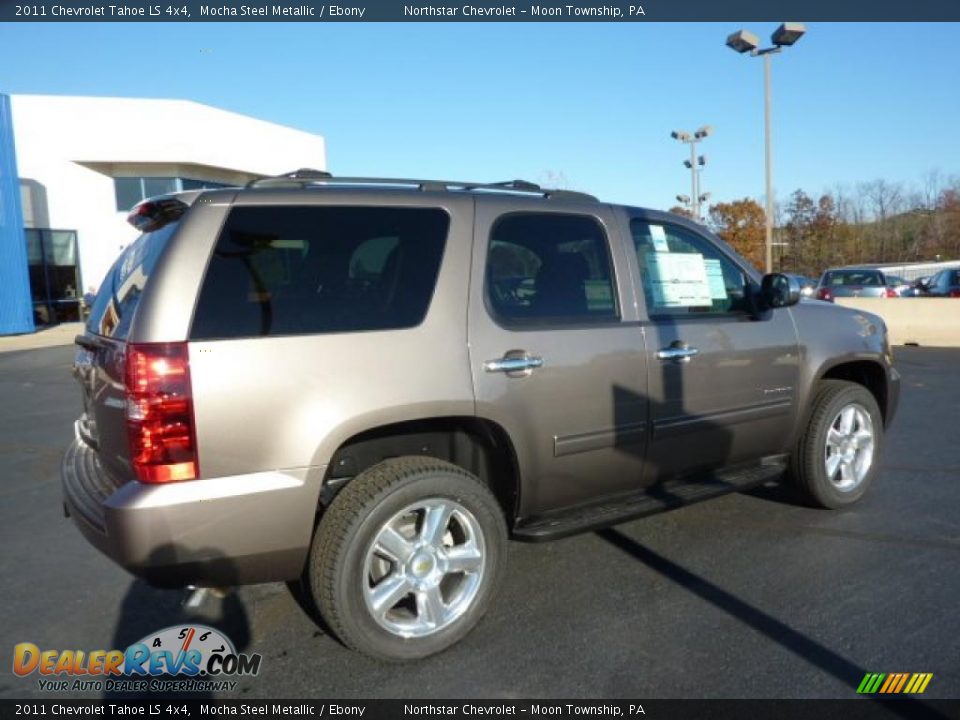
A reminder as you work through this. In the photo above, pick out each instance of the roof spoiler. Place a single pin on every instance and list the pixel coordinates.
(153, 213)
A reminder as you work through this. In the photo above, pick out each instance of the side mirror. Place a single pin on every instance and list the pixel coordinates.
(779, 290)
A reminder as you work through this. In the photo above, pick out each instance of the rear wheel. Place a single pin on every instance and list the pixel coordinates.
(406, 559)
(837, 456)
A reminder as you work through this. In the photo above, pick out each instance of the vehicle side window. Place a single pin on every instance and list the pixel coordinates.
(119, 295)
(684, 273)
(324, 269)
(370, 258)
(550, 269)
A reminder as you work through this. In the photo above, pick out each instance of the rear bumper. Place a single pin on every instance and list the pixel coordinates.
(216, 532)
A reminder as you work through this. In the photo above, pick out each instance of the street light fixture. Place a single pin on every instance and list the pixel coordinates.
(787, 34)
(744, 41)
(695, 161)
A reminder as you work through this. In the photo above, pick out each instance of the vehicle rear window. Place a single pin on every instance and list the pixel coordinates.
(119, 295)
(853, 277)
(294, 270)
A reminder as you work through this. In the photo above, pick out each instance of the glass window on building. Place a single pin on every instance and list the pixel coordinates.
(55, 283)
(131, 190)
(153, 186)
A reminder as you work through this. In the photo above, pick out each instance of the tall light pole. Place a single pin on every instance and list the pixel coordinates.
(744, 41)
(693, 164)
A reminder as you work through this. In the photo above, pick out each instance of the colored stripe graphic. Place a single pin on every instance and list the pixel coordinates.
(915, 681)
(903, 680)
(894, 683)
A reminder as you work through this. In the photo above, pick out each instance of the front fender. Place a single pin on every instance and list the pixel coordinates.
(848, 344)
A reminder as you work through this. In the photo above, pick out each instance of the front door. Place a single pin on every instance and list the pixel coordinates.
(557, 355)
(723, 384)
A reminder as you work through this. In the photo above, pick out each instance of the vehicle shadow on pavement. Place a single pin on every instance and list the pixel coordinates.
(775, 630)
(300, 592)
(147, 609)
(777, 491)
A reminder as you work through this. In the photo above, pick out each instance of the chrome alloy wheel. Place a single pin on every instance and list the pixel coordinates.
(424, 568)
(848, 452)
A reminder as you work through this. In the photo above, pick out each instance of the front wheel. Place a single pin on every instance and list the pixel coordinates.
(406, 559)
(837, 456)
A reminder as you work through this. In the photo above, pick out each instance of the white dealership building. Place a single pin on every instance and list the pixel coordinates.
(82, 162)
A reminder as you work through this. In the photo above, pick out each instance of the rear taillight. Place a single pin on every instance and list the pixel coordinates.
(825, 294)
(890, 292)
(163, 446)
(954, 293)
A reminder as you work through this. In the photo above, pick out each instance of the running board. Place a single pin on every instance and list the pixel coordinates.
(657, 499)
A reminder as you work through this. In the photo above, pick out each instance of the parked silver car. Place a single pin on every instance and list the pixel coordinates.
(899, 285)
(368, 385)
(853, 282)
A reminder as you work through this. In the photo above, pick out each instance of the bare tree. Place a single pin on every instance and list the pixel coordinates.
(886, 199)
(935, 232)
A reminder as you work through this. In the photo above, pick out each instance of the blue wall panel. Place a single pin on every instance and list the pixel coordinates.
(16, 308)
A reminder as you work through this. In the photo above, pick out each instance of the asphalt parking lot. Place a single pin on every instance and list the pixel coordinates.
(746, 596)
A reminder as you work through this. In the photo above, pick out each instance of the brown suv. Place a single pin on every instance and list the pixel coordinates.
(371, 384)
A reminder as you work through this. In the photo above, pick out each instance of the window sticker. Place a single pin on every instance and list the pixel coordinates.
(718, 289)
(678, 279)
(659, 238)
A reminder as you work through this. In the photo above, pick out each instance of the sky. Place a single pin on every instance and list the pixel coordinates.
(593, 104)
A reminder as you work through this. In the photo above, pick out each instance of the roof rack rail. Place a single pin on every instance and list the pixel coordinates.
(516, 185)
(303, 175)
(306, 177)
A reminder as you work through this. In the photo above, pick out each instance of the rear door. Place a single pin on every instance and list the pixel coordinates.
(556, 355)
(99, 362)
(723, 384)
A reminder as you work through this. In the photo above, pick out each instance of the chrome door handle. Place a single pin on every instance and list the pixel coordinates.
(680, 354)
(522, 365)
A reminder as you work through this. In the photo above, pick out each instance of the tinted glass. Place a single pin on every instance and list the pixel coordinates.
(117, 299)
(129, 192)
(304, 270)
(865, 278)
(683, 272)
(190, 184)
(153, 186)
(550, 269)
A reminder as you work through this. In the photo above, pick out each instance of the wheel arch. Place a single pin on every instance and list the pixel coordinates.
(868, 373)
(478, 445)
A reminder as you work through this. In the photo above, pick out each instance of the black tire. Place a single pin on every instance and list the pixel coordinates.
(808, 472)
(348, 528)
